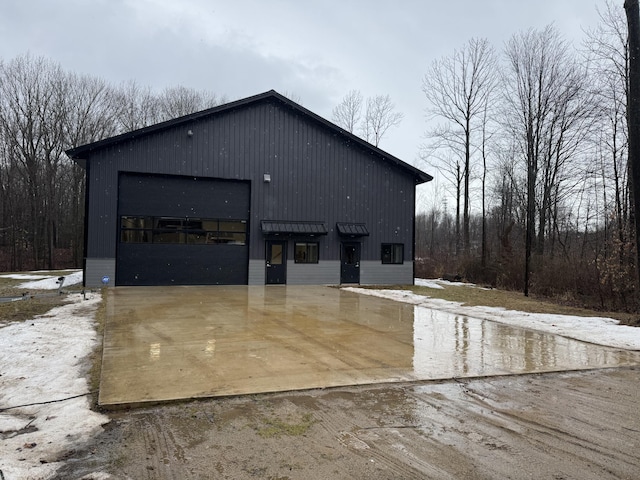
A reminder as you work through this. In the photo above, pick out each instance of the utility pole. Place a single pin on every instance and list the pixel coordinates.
(633, 113)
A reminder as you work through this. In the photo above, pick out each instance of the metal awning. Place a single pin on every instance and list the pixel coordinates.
(275, 227)
(352, 229)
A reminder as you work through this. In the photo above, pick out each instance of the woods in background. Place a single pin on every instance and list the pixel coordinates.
(44, 111)
(533, 141)
(530, 146)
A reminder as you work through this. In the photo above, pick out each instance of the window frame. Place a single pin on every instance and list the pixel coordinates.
(391, 258)
(307, 245)
(147, 229)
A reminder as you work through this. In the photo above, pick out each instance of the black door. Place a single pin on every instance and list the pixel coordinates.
(276, 262)
(163, 220)
(350, 263)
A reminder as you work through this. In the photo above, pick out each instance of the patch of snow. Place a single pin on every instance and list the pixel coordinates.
(42, 360)
(23, 276)
(422, 282)
(454, 284)
(597, 330)
(51, 283)
(440, 283)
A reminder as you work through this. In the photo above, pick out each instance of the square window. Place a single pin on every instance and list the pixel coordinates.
(306, 252)
(392, 253)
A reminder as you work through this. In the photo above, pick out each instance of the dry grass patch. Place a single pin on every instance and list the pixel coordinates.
(473, 296)
(96, 356)
(275, 427)
(36, 302)
(22, 310)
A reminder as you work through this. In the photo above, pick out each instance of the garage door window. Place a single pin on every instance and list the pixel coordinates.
(194, 231)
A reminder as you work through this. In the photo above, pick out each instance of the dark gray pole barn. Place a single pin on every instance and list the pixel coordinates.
(256, 191)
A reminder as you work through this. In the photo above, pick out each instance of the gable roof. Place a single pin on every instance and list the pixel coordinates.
(79, 154)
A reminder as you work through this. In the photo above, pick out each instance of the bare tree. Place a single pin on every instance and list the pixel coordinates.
(43, 111)
(179, 101)
(93, 110)
(545, 113)
(485, 136)
(459, 89)
(294, 97)
(138, 107)
(91, 114)
(348, 112)
(31, 92)
(608, 54)
(450, 165)
(379, 117)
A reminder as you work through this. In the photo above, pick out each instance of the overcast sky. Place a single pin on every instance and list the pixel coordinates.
(315, 50)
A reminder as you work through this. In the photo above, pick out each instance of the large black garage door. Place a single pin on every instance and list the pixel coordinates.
(182, 231)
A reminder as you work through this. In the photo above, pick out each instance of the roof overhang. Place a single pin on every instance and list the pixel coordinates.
(346, 229)
(82, 153)
(285, 227)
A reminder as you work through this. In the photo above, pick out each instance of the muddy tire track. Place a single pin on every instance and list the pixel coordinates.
(579, 425)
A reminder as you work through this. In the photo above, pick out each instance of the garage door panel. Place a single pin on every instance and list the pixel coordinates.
(145, 258)
(161, 195)
(148, 264)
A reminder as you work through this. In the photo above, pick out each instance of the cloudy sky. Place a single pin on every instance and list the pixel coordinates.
(314, 50)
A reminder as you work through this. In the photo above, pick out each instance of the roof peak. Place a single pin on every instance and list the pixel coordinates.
(82, 152)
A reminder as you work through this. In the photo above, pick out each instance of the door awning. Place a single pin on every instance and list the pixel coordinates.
(352, 229)
(310, 229)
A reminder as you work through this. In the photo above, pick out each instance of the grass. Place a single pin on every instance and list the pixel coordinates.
(22, 310)
(35, 303)
(276, 427)
(473, 296)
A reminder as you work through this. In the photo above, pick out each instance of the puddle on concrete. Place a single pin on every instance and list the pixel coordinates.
(449, 345)
(183, 342)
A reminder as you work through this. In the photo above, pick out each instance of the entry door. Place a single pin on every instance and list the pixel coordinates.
(276, 262)
(350, 263)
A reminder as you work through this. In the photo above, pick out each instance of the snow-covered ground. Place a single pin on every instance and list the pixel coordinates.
(598, 330)
(44, 360)
(44, 280)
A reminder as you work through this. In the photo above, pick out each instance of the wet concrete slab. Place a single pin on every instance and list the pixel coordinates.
(169, 343)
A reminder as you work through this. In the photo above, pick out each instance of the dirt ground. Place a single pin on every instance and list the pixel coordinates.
(577, 425)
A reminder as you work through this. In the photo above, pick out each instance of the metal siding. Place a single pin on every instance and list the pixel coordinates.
(96, 269)
(256, 272)
(321, 273)
(313, 172)
(376, 273)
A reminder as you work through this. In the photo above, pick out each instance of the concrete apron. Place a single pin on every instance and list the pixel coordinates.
(169, 343)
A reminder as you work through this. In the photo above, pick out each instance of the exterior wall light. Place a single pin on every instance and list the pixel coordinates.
(190, 133)
(267, 178)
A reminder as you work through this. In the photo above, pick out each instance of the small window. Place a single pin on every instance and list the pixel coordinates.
(392, 253)
(306, 252)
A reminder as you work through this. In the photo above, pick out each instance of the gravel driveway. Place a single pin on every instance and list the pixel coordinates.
(577, 425)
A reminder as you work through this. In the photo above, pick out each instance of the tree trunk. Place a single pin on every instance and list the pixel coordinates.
(633, 111)
(458, 195)
(467, 174)
(530, 228)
